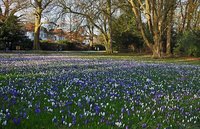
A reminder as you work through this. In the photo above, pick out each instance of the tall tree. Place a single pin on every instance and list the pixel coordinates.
(97, 12)
(90, 33)
(169, 26)
(39, 7)
(155, 13)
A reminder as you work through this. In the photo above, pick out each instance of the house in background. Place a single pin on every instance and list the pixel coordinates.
(29, 28)
(73, 36)
(56, 34)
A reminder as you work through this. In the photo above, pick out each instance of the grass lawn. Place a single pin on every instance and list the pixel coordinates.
(94, 90)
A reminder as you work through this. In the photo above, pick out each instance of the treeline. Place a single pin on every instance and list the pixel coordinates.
(161, 27)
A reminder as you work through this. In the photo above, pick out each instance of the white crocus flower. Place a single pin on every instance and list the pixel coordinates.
(4, 123)
(119, 124)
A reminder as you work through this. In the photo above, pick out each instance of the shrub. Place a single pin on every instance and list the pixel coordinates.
(26, 45)
(63, 42)
(45, 41)
(188, 44)
(48, 46)
(99, 47)
(62, 46)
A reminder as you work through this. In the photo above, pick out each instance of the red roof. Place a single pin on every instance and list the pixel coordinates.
(29, 26)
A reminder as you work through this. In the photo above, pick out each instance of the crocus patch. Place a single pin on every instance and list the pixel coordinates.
(70, 92)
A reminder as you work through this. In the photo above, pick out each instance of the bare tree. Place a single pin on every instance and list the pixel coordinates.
(155, 12)
(90, 33)
(188, 15)
(39, 7)
(169, 26)
(11, 7)
(97, 12)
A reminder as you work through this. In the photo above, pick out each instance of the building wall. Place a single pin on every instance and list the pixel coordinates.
(43, 35)
(30, 35)
(57, 38)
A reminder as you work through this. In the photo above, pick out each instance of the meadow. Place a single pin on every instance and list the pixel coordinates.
(41, 91)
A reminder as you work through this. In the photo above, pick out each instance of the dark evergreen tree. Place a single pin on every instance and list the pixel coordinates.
(125, 35)
(11, 33)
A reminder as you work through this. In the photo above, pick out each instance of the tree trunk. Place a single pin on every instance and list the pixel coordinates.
(169, 33)
(156, 52)
(109, 49)
(107, 43)
(91, 43)
(36, 44)
(91, 40)
(157, 46)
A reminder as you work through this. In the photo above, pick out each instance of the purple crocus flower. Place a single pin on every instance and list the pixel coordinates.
(16, 121)
(54, 120)
(74, 120)
(37, 110)
(97, 109)
(159, 126)
(24, 115)
(144, 125)
(81, 116)
(122, 110)
(8, 115)
(68, 103)
(128, 112)
(86, 121)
